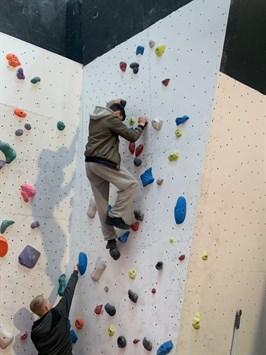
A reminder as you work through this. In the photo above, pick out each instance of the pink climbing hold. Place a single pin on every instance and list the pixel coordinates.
(28, 191)
(131, 147)
(165, 82)
(123, 66)
(182, 257)
(24, 335)
(135, 341)
(139, 150)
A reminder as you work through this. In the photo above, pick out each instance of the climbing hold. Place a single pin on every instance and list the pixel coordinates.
(159, 181)
(35, 224)
(159, 265)
(110, 309)
(178, 132)
(29, 256)
(35, 80)
(165, 348)
(61, 126)
(20, 74)
(205, 255)
(165, 82)
(135, 67)
(151, 43)
(159, 49)
(147, 344)
(19, 132)
(82, 263)
(121, 341)
(180, 210)
(19, 112)
(98, 309)
(180, 120)
(196, 321)
(134, 226)
(124, 237)
(73, 336)
(138, 215)
(5, 338)
(132, 273)
(91, 212)
(140, 50)
(111, 330)
(147, 177)
(106, 288)
(2, 164)
(139, 150)
(3, 245)
(99, 268)
(136, 341)
(62, 284)
(173, 156)
(27, 126)
(181, 257)
(24, 335)
(171, 240)
(123, 66)
(137, 161)
(8, 151)
(131, 147)
(132, 121)
(133, 296)
(157, 123)
(27, 191)
(79, 323)
(6, 223)
(13, 60)
(153, 290)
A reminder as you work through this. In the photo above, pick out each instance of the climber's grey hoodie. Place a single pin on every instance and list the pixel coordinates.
(103, 142)
(51, 333)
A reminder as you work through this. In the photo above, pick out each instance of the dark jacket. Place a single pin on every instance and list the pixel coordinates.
(51, 334)
(103, 141)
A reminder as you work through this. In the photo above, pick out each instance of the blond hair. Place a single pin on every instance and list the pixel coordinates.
(36, 305)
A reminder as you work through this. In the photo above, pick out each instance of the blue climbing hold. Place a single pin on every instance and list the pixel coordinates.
(165, 348)
(139, 50)
(147, 177)
(180, 210)
(123, 237)
(82, 263)
(73, 336)
(180, 120)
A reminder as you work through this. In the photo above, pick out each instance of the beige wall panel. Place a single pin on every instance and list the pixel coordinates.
(230, 226)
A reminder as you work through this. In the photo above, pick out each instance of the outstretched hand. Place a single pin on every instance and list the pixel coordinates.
(143, 120)
(76, 267)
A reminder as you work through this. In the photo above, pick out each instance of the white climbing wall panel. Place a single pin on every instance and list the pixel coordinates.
(194, 37)
(46, 158)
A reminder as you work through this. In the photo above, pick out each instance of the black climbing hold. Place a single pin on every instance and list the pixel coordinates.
(121, 341)
(133, 296)
(110, 309)
(137, 161)
(147, 344)
(138, 215)
(135, 67)
(159, 265)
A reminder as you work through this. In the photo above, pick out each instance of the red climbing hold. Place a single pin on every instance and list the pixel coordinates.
(165, 82)
(98, 309)
(131, 147)
(182, 257)
(3, 245)
(153, 290)
(134, 226)
(123, 66)
(135, 341)
(139, 150)
(19, 112)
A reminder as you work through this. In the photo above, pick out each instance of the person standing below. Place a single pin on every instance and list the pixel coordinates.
(103, 167)
(51, 332)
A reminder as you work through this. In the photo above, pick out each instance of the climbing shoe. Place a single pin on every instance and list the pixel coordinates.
(117, 222)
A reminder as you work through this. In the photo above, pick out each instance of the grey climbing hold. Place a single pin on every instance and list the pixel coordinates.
(133, 296)
(137, 161)
(147, 344)
(159, 181)
(110, 309)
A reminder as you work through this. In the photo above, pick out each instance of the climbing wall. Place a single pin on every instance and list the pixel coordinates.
(193, 38)
(230, 227)
(46, 160)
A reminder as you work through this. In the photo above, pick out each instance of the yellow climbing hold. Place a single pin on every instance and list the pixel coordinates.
(178, 132)
(132, 273)
(205, 255)
(111, 330)
(132, 121)
(159, 49)
(196, 321)
(173, 156)
(171, 240)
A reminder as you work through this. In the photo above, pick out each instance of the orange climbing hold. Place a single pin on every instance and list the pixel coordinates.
(3, 245)
(13, 60)
(79, 323)
(19, 112)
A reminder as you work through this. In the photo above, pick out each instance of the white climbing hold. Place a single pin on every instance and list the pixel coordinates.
(91, 212)
(157, 123)
(99, 268)
(5, 338)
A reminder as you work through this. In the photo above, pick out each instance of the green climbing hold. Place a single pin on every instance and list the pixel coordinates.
(35, 80)
(8, 151)
(132, 121)
(62, 284)
(173, 156)
(60, 125)
(6, 223)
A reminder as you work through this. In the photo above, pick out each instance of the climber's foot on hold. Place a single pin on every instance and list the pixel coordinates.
(113, 250)
(117, 222)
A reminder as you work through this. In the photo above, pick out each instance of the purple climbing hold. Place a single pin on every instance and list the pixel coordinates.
(140, 50)
(27, 126)
(147, 177)
(135, 67)
(180, 120)
(20, 74)
(2, 164)
(29, 256)
(35, 224)
(19, 132)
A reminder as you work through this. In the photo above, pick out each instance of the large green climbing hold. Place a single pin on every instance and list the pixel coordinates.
(8, 151)
(6, 223)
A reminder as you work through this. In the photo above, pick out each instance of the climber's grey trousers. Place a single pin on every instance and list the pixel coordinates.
(100, 177)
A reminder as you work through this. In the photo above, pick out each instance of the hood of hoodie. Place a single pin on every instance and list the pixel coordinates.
(101, 112)
(43, 325)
